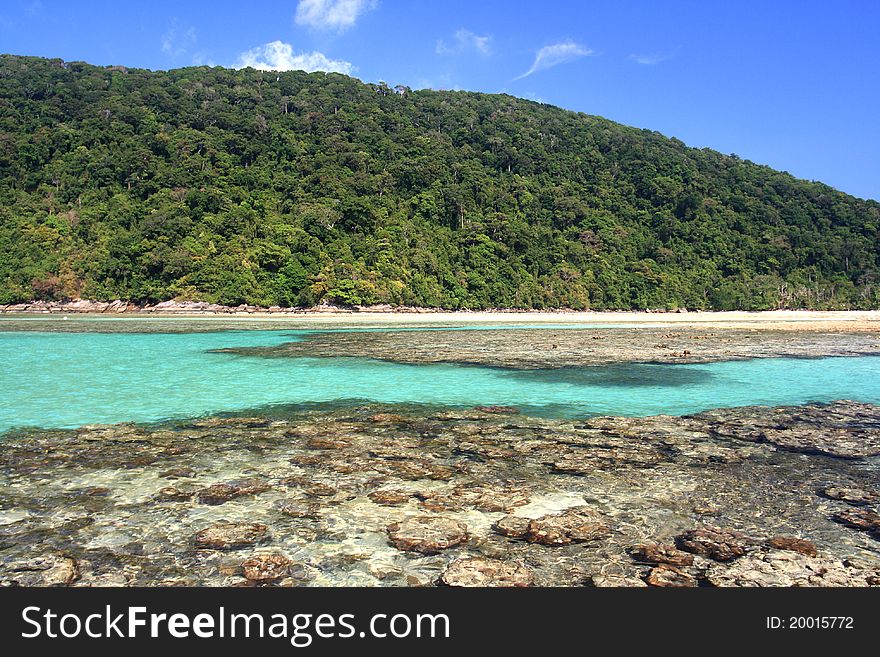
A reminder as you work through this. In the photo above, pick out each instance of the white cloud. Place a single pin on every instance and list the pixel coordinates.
(653, 59)
(331, 14)
(279, 56)
(558, 53)
(465, 40)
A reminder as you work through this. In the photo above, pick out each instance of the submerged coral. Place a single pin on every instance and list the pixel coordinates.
(406, 496)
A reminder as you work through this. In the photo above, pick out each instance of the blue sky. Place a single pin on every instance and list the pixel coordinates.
(795, 85)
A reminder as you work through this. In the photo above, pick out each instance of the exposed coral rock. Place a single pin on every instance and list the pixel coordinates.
(616, 581)
(666, 554)
(588, 461)
(715, 543)
(464, 465)
(793, 544)
(390, 497)
(222, 492)
(670, 576)
(266, 567)
(317, 489)
(46, 570)
(855, 496)
(297, 508)
(862, 519)
(845, 429)
(484, 497)
(231, 535)
(427, 534)
(575, 525)
(529, 349)
(175, 494)
(513, 526)
(784, 568)
(479, 571)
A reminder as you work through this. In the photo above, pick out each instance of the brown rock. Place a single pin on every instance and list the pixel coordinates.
(670, 576)
(498, 410)
(222, 492)
(299, 508)
(784, 568)
(427, 534)
(266, 567)
(575, 525)
(46, 570)
(715, 543)
(616, 581)
(854, 496)
(793, 544)
(231, 535)
(862, 519)
(513, 526)
(389, 497)
(174, 494)
(489, 498)
(480, 571)
(318, 489)
(664, 554)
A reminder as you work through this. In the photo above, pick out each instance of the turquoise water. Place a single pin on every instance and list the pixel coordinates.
(70, 379)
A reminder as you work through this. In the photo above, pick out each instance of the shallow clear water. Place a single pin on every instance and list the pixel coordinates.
(71, 379)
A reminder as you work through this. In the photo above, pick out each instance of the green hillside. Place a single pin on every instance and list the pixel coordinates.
(294, 188)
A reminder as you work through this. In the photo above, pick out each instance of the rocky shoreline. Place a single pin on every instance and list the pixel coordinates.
(405, 496)
(526, 349)
(172, 307)
(84, 306)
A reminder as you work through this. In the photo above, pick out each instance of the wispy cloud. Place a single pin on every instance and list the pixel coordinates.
(279, 56)
(177, 41)
(652, 59)
(465, 41)
(556, 54)
(332, 14)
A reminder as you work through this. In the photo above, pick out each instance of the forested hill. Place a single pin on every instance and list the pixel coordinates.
(292, 188)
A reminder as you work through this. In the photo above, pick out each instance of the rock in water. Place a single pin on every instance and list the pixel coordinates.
(479, 571)
(854, 496)
(220, 493)
(784, 568)
(427, 534)
(715, 543)
(793, 544)
(669, 576)
(616, 581)
(231, 535)
(389, 497)
(47, 570)
(576, 525)
(862, 519)
(266, 567)
(666, 554)
(513, 526)
(296, 508)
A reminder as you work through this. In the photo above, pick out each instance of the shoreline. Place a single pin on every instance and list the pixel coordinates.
(831, 320)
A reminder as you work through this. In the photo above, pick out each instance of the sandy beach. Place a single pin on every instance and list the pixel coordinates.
(806, 320)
